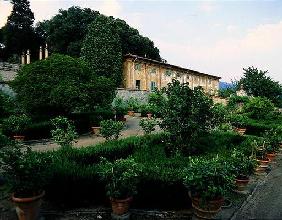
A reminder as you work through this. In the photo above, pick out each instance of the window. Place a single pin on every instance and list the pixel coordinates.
(153, 85)
(153, 70)
(137, 84)
(137, 66)
(168, 73)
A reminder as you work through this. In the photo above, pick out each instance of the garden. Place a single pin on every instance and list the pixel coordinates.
(203, 153)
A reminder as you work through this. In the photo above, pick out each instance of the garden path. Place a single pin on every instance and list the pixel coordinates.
(266, 201)
(132, 129)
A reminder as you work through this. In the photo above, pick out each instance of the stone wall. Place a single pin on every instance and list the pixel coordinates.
(140, 95)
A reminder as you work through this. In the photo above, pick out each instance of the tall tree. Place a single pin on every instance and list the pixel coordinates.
(255, 82)
(65, 31)
(102, 49)
(18, 32)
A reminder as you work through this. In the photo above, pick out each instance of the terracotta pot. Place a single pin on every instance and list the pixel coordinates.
(120, 206)
(263, 161)
(19, 138)
(261, 169)
(130, 113)
(149, 115)
(271, 156)
(210, 209)
(28, 208)
(121, 118)
(242, 183)
(241, 131)
(96, 130)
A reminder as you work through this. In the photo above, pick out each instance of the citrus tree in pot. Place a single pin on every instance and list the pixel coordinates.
(207, 180)
(17, 124)
(26, 173)
(243, 167)
(121, 178)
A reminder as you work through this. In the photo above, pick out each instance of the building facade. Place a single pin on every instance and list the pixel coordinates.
(145, 74)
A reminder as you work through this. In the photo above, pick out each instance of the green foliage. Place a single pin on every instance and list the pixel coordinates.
(187, 112)
(65, 33)
(17, 124)
(4, 141)
(61, 85)
(156, 102)
(133, 104)
(243, 165)
(148, 125)
(66, 30)
(27, 172)
(255, 82)
(219, 115)
(102, 50)
(227, 92)
(120, 106)
(235, 102)
(64, 132)
(121, 177)
(18, 33)
(208, 178)
(7, 105)
(259, 108)
(111, 129)
(273, 138)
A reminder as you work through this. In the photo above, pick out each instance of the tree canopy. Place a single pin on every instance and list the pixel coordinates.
(255, 82)
(65, 33)
(61, 85)
(18, 33)
(102, 49)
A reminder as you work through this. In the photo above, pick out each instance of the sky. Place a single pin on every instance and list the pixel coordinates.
(213, 37)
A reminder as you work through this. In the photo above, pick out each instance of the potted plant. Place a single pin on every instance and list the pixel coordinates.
(207, 181)
(63, 133)
(26, 173)
(133, 105)
(243, 167)
(110, 129)
(272, 142)
(17, 124)
(148, 125)
(120, 108)
(121, 178)
(239, 121)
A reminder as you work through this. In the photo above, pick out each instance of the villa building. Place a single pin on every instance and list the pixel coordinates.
(140, 73)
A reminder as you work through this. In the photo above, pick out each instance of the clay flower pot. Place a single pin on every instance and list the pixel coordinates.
(130, 113)
(263, 161)
(261, 169)
(241, 131)
(19, 138)
(210, 209)
(149, 115)
(28, 208)
(270, 156)
(120, 206)
(96, 130)
(242, 183)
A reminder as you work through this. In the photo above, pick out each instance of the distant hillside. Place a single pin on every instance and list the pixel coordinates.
(224, 85)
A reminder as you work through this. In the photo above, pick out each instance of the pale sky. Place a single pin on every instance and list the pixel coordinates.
(214, 37)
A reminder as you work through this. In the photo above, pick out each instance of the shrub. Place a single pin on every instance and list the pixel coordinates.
(235, 101)
(7, 105)
(148, 125)
(27, 172)
(111, 129)
(259, 108)
(219, 115)
(133, 104)
(208, 179)
(156, 102)
(17, 124)
(238, 120)
(61, 85)
(121, 177)
(120, 106)
(64, 132)
(186, 114)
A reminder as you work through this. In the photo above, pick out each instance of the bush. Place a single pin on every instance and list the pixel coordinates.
(156, 103)
(259, 108)
(17, 124)
(133, 104)
(120, 106)
(61, 85)
(121, 177)
(148, 125)
(111, 129)
(187, 113)
(7, 105)
(237, 101)
(64, 132)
